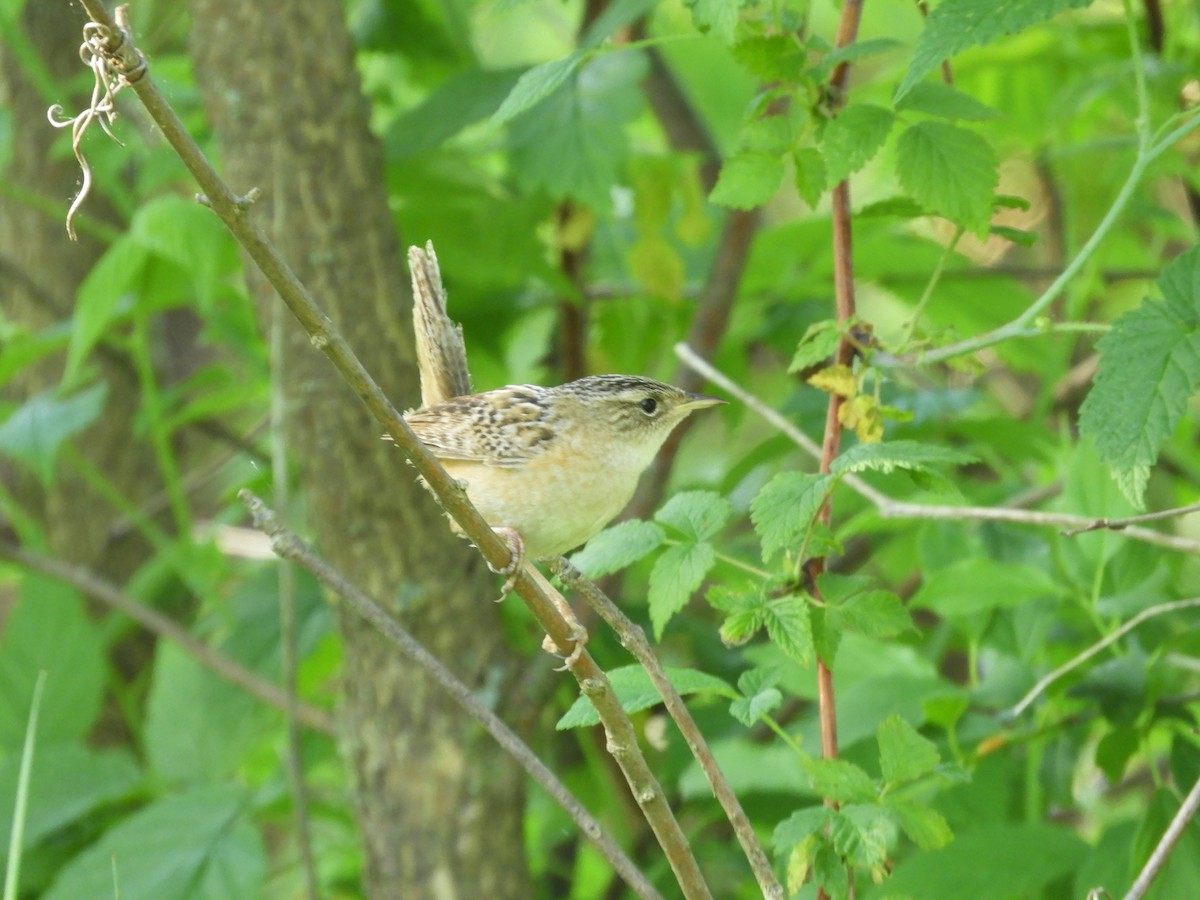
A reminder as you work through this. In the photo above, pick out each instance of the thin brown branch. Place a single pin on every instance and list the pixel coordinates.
(233, 212)
(897, 509)
(90, 584)
(1170, 838)
(633, 639)
(289, 547)
(1121, 524)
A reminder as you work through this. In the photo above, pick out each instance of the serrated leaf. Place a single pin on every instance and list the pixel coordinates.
(462, 99)
(937, 99)
(809, 168)
(698, 514)
(949, 170)
(818, 344)
(904, 754)
(718, 16)
(852, 138)
(860, 834)
(758, 679)
(635, 691)
(840, 781)
(898, 207)
(955, 25)
(892, 455)
(852, 52)
(676, 575)
(878, 614)
(537, 84)
(37, 428)
(1149, 369)
(797, 827)
(789, 628)
(772, 57)
(747, 180)
(741, 625)
(773, 135)
(924, 826)
(748, 710)
(837, 379)
(617, 547)
(784, 508)
(573, 143)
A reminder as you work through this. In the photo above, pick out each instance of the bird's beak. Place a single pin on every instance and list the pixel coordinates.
(701, 401)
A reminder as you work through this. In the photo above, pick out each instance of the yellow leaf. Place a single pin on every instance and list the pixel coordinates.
(835, 380)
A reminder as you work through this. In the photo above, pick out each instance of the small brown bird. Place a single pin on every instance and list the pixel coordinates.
(556, 464)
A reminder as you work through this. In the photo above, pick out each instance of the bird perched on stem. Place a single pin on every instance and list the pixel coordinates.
(553, 465)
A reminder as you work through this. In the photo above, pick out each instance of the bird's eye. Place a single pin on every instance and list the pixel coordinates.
(649, 405)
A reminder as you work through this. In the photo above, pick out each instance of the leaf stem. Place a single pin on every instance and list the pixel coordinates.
(934, 278)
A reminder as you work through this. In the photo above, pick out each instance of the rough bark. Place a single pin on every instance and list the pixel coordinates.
(439, 810)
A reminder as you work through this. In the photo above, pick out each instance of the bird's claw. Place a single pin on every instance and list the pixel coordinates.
(579, 639)
(516, 547)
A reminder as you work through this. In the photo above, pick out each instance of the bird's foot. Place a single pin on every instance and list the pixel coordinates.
(516, 547)
(579, 639)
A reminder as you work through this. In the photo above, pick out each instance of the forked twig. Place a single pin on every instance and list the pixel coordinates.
(288, 546)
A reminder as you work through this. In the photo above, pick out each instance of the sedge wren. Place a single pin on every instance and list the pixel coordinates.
(554, 465)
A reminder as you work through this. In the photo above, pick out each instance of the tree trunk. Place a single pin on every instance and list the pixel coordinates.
(439, 808)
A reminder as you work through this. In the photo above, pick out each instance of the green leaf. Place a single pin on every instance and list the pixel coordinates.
(198, 845)
(809, 166)
(537, 84)
(904, 754)
(818, 345)
(198, 726)
(789, 628)
(796, 828)
(37, 428)
(773, 135)
(879, 614)
(462, 99)
(937, 99)
(105, 294)
(697, 514)
(911, 456)
(924, 825)
(747, 180)
(840, 781)
(992, 585)
(860, 833)
(635, 692)
(759, 695)
(617, 547)
(676, 575)
(990, 862)
(956, 25)
(852, 52)
(718, 16)
(48, 628)
(950, 171)
(772, 57)
(573, 143)
(784, 508)
(69, 781)
(749, 709)
(1149, 370)
(852, 138)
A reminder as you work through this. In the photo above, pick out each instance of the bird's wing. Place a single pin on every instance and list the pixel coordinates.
(504, 427)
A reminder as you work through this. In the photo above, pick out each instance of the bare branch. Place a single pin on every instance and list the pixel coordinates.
(633, 639)
(1162, 851)
(90, 584)
(494, 548)
(1121, 524)
(289, 547)
(897, 509)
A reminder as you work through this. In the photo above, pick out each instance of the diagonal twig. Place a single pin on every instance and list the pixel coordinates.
(233, 212)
